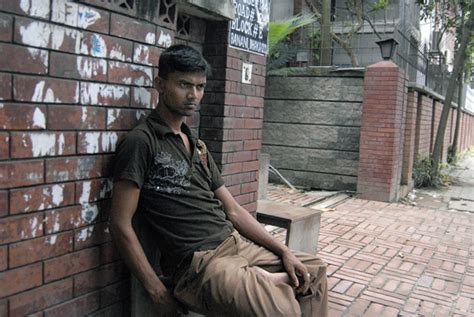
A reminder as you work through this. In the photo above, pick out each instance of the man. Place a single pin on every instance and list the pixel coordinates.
(166, 175)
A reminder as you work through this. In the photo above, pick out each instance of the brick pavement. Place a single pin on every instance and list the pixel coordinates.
(391, 259)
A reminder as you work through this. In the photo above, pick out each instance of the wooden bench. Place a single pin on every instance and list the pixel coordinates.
(302, 223)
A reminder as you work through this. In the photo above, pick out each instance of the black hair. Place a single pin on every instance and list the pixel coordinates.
(182, 58)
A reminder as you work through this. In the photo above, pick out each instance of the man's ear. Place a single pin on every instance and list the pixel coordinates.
(158, 84)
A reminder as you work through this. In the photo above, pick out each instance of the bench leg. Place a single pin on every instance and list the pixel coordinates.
(303, 235)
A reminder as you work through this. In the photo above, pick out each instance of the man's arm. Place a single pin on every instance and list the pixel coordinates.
(250, 228)
(124, 204)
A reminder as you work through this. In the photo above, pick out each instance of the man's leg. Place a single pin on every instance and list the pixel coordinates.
(312, 304)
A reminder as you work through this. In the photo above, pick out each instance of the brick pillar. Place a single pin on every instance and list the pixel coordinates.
(232, 114)
(409, 143)
(381, 132)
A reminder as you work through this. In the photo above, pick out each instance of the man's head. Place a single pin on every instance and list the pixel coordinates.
(182, 58)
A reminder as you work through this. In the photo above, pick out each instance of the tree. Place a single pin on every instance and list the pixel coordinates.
(465, 35)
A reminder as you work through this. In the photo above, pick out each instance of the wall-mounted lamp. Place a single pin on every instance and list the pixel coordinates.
(387, 48)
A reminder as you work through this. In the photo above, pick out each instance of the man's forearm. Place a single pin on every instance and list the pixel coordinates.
(135, 258)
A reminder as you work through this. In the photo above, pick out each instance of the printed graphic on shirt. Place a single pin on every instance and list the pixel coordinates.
(168, 175)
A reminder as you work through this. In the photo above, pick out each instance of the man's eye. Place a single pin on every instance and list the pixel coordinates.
(184, 85)
(201, 87)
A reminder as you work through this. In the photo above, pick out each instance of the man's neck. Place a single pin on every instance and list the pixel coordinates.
(173, 121)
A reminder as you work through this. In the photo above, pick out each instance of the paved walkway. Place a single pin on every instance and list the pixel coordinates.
(391, 259)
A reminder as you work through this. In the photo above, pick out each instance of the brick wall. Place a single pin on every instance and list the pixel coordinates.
(232, 114)
(424, 126)
(75, 77)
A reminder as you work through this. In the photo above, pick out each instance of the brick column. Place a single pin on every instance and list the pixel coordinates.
(232, 114)
(382, 132)
(409, 143)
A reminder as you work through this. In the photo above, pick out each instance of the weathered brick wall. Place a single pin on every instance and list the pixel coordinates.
(424, 127)
(74, 78)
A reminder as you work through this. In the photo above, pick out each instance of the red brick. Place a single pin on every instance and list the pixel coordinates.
(242, 156)
(69, 264)
(234, 99)
(73, 168)
(37, 144)
(114, 293)
(144, 97)
(14, 281)
(92, 280)
(130, 74)
(228, 169)
(91, 235)
(76, 117)
(81, 306)
(63, 219)
(3, 258)
(250, 166)
(6, 27)
(41, 197)
(4, 146)
(41, 298)
(41, 89)
(20, 173)
(249, 187)
(109, 253)
(77, 67)
(6, 84)
(132, 29)
(30, 251)
(93, 190)
(105, 95)
(81, 16)
(112, 310)
(124, 119)
(4, 203)
(46, 35)
(252, 144)
(255, 101)
(99, 45)
(146, 54)
(23, 59)
(22, 117)
(98, 142)
(253, 123)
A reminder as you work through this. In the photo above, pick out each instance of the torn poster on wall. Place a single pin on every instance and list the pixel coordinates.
(249, 29)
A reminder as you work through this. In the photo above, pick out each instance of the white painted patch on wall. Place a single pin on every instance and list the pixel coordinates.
(150, 38)
(36, 8)
(87, 17)
(112, 115)
(89, 212)
(165, 39)
(92, 142)
(39, 119)
(141, 54)
(85, 234)
(64, 12)
(97, 94)
(139, 114)
(42, 143)
(57, 194)
(52, 239)
(87, 68)
(84, 114)
(61, 144)
(48, 35)
(142, 96)
(39, 54)
(40, 95)
(116, 53)
(34, 225)
(145, 79)
(109, 141)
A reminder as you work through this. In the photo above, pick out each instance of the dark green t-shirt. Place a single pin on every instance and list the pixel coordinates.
(177, 190)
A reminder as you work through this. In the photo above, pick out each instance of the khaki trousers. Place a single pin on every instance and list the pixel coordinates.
(219, 283)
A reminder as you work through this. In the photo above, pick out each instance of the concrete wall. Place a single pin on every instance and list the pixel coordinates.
(311, 128)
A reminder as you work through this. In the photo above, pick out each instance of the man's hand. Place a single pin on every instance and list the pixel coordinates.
(296, 269)
(165, 304)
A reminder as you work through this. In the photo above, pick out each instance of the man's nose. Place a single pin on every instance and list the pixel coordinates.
(192, 93)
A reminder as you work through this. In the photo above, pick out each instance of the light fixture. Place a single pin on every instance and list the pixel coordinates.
(387, 47)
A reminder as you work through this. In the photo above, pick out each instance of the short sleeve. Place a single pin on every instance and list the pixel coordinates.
(132, 158)
(217, 180)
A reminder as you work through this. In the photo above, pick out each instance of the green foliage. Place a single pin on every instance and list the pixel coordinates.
(280, 49)
(379, 5)
(423, 176)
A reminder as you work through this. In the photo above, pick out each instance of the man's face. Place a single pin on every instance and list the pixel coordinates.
(181, 93)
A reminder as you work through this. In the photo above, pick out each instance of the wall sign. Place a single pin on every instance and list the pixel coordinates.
(249, 29)
(247, 73)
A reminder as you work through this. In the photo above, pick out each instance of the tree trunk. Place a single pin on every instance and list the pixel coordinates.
(459, 60)
(458, 117)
